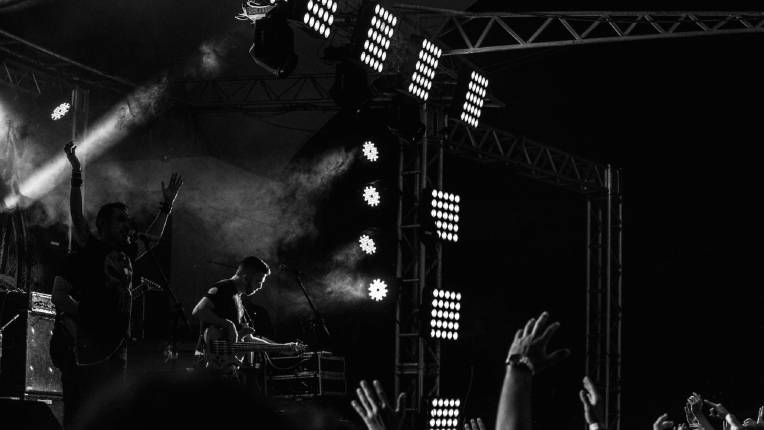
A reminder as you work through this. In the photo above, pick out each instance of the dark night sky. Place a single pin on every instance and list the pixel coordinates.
(682, 119)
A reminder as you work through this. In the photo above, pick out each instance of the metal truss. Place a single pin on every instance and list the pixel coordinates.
(418, 268)
(32, 68)
(472, 32)
(604, 286)
(258, 93)
(528, 157)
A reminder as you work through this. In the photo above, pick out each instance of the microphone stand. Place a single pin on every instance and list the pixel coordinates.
(176, 308)
(318, 320)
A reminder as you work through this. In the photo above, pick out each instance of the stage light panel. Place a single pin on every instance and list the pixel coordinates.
(377, 290)
(445, 314)
(424, 70)
(444, 213)
(444, 414)
(376, 42)
(370, 151)
(367, 244)
(319, 16)
(60, 111)
(371, 196)
(474, 99)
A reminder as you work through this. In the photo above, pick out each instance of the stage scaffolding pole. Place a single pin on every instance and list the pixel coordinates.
(419, 265)
(604, 288)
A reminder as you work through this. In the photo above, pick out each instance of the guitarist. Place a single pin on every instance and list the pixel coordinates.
(102, 274)
(222, 306)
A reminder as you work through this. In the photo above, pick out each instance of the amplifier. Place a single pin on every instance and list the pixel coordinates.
(313, 374)
(25, 365)
(42, 304)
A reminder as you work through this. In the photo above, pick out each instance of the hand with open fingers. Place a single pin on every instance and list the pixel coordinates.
(726, 416)
(663, 423)
(695, 403)
(590, 399)
(69, 150)
(474, 424)
(374, 409)
(170, 192)
(532, 342)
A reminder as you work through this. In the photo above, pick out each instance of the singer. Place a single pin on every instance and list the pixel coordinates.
(93, 291)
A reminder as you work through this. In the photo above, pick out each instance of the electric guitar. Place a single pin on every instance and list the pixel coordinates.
(222, 352)
(65, 331)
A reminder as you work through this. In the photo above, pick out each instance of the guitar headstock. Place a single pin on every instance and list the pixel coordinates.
(149, 284)
(298, 347)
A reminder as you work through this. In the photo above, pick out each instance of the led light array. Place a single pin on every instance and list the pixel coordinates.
(424, 70)
(371, 196)
(320, 16)
(378, 38)
(444, 209)
(60, 111)
(370, 151)
(444, 323)
(377, 290)
(444, 414)
(367, 244)
(473, 104)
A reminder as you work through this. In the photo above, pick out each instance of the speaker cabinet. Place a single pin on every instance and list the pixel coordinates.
(28, 414)
(26, 367)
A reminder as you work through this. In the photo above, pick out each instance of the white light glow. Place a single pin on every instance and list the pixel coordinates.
(60, 111)
(377, 290)
(371, 196)
(370, 151)
(367, 244)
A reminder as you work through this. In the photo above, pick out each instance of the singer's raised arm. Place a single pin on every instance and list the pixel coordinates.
(154, 233)
(80, 230)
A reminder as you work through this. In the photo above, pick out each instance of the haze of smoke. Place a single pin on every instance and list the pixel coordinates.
(212, 57)
(248, 214)
(136, 109)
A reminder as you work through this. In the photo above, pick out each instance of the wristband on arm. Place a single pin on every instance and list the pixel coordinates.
(518, 361)
(76, 178)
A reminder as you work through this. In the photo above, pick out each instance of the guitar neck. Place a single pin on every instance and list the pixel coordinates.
(250, 347)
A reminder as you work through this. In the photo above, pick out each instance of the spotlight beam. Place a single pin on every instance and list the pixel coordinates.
(107, 132)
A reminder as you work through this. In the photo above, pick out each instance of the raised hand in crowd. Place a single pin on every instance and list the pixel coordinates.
(758, 424)
(694, 411)
(527, 356)
(720, 411)
(590, 399)
(374, 408)
(663, 423)
(474, 424)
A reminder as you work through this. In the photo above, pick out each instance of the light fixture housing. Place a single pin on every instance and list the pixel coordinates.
(443, 215)
(445, 313)
(373, 34)
(473, 99)
(424, 70)
(443, 414)
(377, 290)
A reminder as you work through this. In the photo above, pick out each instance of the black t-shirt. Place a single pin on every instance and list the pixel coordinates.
(226, 302)
(103, 276)
(68, 271)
